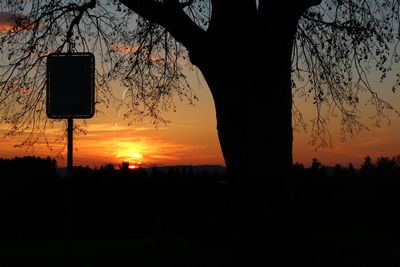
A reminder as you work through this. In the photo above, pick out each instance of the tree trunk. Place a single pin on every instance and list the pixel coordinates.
(245, 57)
(251, 86)
(250, 80)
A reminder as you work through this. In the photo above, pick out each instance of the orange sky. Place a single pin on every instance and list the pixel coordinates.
(191, 138)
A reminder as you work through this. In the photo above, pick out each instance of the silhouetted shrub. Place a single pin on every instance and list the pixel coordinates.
(31, 198)
(182, 200)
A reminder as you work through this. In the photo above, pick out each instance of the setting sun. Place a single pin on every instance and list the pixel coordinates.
(125, 153)
(130, 157)
(136, 156)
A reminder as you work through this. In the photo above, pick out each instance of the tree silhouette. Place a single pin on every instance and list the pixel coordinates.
(31, 191)
(124, 166)
(385, 166)
(317, 170)
(319, 50)
(252, 60)
(350, 171)
(108, 203)
(367, 168)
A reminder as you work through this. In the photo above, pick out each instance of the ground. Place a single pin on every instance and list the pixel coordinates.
(325, 249)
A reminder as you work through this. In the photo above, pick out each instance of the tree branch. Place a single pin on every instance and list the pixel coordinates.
(347, 25)
(233, 16)
(170, 15)
(186, 4)
(75, 22)
(294, 7)
(176, 3)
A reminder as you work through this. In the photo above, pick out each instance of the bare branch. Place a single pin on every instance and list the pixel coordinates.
(171, 17)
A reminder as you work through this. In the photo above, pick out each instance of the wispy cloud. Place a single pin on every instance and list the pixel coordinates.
(141, 145)
(10, 22)
(370, 143)
(126, 48)
(134, 48)
(114, 142)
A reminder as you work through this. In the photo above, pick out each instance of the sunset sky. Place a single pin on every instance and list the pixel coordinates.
(191, 137)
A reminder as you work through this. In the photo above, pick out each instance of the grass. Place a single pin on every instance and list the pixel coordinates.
(326, 249)
(111, 252)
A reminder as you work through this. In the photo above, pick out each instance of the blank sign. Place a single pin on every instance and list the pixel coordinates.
(70, 85)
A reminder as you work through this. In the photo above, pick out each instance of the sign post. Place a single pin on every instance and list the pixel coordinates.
(70, 131)
(70, 85)
(69, 95)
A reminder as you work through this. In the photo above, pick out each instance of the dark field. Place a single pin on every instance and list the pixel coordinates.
(182, 217)
(326, 249)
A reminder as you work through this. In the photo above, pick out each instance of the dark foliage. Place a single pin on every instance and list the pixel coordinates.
(106, 202)
(180, 201)
(347, 199)
(31, 198)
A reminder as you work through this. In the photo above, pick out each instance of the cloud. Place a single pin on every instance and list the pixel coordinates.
(370, 143)
(16, 87)
(9, 86)
(10, 22)
(115, 129)
(126, 48)
(6, 21)
(46, 53)
(25, 90)
(123, 143)
(133, 48)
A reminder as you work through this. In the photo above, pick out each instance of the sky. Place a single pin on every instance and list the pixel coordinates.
(191, 136)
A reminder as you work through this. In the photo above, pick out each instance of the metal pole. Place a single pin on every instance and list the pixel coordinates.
(70, 145)
(69, 190)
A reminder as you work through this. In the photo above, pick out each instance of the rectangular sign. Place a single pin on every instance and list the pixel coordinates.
(70, 85)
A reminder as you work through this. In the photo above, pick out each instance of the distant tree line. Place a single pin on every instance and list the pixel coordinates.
(364, 199)
(158, 202)
(31, 198)
(107, 201)
(382, 168)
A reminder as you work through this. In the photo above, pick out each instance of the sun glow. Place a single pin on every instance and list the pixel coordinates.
(136, 156)
(132, 152)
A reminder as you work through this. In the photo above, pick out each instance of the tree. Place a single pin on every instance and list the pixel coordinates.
(252, 60)
(368, 169)
(317, 170)
(338, 171)
(385, 167)
(328, 46)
